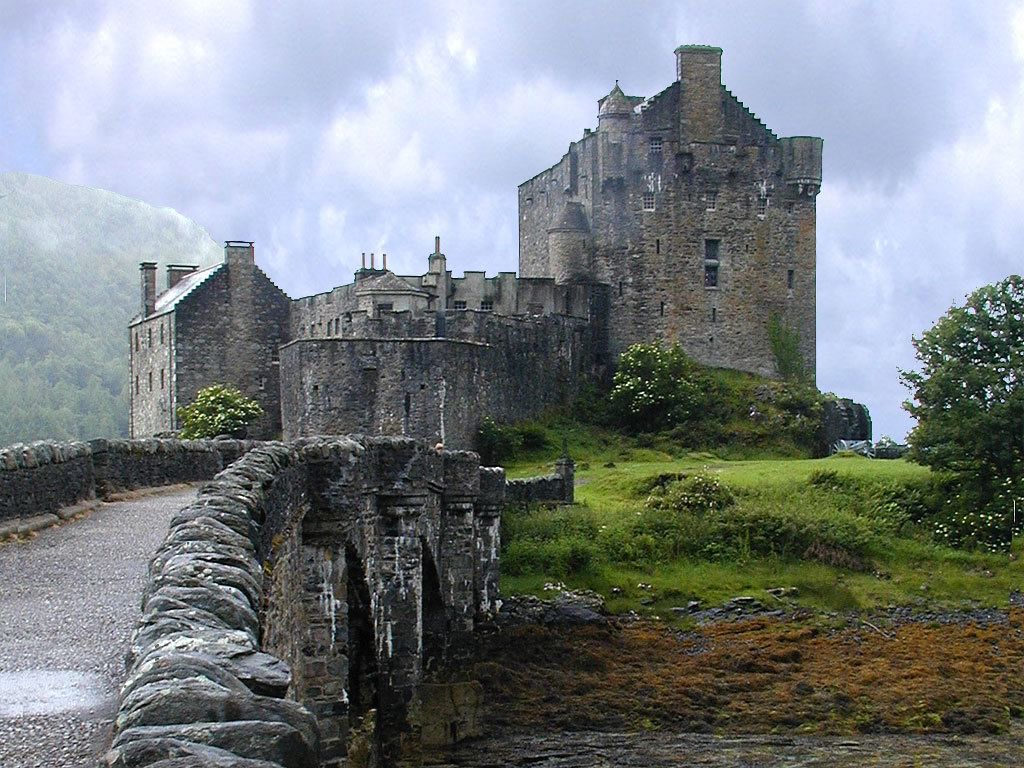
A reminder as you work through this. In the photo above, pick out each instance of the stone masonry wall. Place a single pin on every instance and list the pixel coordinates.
(306, 584)
(687, 190)
(228, 332)
(434, 388)
(40, 478)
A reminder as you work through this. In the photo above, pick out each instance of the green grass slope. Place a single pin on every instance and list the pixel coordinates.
(842, 533)
(69, 257)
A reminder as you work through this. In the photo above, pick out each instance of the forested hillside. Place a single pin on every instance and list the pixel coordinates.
(69, 283)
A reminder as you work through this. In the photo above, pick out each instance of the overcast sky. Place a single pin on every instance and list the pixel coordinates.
(322, 129)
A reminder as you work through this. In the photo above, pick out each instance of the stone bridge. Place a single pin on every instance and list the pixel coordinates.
(297, 606)
(305, 593)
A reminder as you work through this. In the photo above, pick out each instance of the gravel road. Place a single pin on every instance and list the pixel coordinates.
(68, 601)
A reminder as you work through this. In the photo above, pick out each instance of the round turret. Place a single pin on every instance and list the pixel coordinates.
(569, 245)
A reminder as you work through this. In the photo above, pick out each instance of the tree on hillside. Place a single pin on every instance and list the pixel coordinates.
(655, 388)
(218, 410)
(968, 399)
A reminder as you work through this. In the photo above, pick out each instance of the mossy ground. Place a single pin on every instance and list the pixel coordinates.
(756, 676)
(831, 672)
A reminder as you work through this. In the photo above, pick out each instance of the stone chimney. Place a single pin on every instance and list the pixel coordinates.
(699, 72)
(175, 273)
(148, 269)
(239, 253)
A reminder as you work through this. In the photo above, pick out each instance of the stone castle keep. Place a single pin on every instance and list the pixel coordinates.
(681, 218)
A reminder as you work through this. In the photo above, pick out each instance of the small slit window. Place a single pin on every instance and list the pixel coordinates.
(161, 333)
(714, 315)
(663, 309)
(136, 385)
(657, 245)
(161, 378)
(648, 201)
(789, 279)
(149, 336)
(150, 381)
(710, 275)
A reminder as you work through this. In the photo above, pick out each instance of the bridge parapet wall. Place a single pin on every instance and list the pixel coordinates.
(307, 584)
(42, 477)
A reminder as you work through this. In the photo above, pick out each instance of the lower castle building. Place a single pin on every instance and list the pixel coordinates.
(680, 219)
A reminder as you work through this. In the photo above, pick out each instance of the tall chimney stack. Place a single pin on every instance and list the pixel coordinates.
(437, 243)
(148, 269)
(385, 257)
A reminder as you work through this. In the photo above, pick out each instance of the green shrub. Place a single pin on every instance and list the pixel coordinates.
(702, 492)
(496, 443)
(218, 410)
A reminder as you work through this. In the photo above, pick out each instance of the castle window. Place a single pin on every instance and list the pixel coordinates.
(136, 341)
(711, 200)
(161, 378)
(161, 333)
(789, 279)
(150, 381)
(386, 306)
(620, 287)
(312, 330)
(657, 245)
(459, 305)
(529, 201)
(648, 201)
(789, 206)
(762, 206)
(149, 336)
(263, 383)
(710, 275)
(711, 250)
(136, 385)
(275, 355)
(714, 315)
(654, 148)
(663, 309)
(487, 305)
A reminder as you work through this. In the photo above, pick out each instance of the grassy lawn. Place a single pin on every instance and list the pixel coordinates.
(835, 529)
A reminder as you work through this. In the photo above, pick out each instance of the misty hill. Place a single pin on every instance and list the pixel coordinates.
(70, 259)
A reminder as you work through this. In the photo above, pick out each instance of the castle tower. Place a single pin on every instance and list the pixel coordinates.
(700, 221)
(569, 246)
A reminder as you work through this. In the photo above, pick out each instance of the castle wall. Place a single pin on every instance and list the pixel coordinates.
(434, 388)
(151, 376)
(691, 165)
(228, 332)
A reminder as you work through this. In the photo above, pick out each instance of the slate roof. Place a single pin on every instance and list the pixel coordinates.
(170, 298)
(387, 282)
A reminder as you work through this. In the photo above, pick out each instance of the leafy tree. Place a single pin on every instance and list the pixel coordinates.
(218, 410)
(968, 399)
(655, 388)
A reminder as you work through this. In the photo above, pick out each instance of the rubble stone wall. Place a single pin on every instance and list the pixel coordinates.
(308, 583)
(42, 477)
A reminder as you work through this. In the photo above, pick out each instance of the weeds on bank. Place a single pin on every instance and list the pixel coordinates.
(846, 533)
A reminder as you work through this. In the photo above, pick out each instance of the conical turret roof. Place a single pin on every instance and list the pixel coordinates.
(615, 103)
